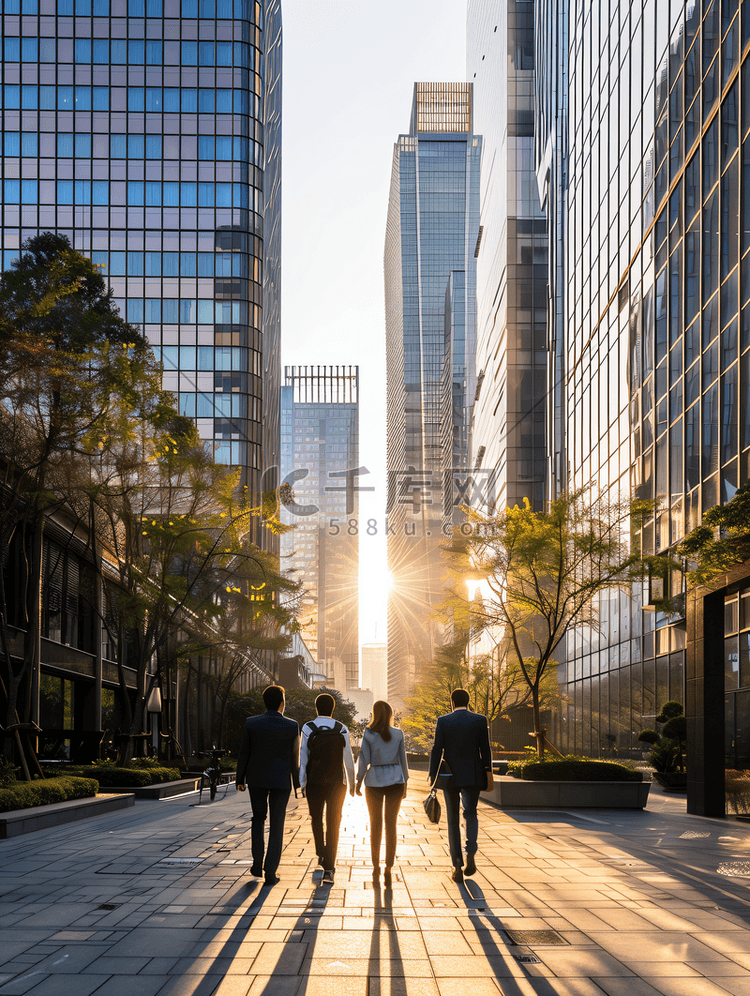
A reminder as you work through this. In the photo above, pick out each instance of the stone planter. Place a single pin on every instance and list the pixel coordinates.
(515, 793)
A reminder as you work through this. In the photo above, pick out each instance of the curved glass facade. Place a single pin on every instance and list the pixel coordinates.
(135, 127)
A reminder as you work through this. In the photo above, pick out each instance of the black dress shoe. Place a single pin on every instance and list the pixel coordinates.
(256, 871)
(272, 879)
(470, 868)
(457, 875)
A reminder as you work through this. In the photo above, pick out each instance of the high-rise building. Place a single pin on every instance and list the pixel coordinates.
(320, 460)
(141, 129)
(508, 448)
(430, 280)
(650, 141)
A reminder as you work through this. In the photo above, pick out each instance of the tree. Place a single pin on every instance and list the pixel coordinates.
(65, 354)
(300, 705)
(542, 572)
(721, 541)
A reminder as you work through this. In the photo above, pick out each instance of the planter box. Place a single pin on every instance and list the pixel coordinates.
(161, 791)
(20, 821)
(515, 793)
(672, 781)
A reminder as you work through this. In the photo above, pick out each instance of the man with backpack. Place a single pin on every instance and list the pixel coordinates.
(325, 754)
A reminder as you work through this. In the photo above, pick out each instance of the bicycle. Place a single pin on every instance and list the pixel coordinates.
(212, 775)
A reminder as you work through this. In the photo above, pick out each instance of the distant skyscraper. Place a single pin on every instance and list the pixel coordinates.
(320, 459)
(508, 435)
(430, 281)
(141, 129)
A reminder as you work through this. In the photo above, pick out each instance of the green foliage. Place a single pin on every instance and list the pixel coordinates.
(226, 764)
(737, 790)
(24, 795)
(721, 541)
(579, 770)
(675, 728)
(664, 756)
(649, 737)
(7, 773)
(108, 774)
(670, 710)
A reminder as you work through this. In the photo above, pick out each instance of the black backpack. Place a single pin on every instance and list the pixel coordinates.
(325, 753)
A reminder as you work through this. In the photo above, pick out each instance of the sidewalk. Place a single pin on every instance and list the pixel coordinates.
(158, 899)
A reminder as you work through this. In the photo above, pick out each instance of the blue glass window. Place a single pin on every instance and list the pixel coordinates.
(241, 150)
(188, 194)
(65, 8)
(100, 192)
(48, 98)
(12, 97)
(101, 8)
(99, 259)
(135, 98)
(205, 264)
(223, 195)
(64, 191)
(12, 191)
(206, 100)
(83, 98)
(187, 310)
(83, 50)
(205, 315)
(241, 101)
(170, 266)
(205, 195)
(154, 8)
(187, 357)
(189, 8)
(223, 147)
(135, 146)
(224, 9)
(82, 191)
(135, 264)
(187, 405)
(170, 313)
(100, 98)
(83, 8)
(153, 261)
(12, 50)
(153, 195)
(169, 355)
(65, 98)
(118, 146)
(187, 264)
(29, 143)
(189, 53)
(135, 312)
(223, 53)
(83, 146)
(171, 98)
(117, 264)
(153, 310)
(47, 50)
(135, 192)
(153, 97)
(206, 53)
(224, 101)
(101, 51)
(29, 192)
(135, 53)
(153, 146)
(206, 8)
(189, 101)
(136, 8)
(206, 146)
(223, 358)
(119, 52)
(241, 198)
(205, 405)
(205, 357)
(12, 143)
(171, 195)
(29, 50)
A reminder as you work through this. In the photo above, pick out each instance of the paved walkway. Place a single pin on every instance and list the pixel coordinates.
(159, 900)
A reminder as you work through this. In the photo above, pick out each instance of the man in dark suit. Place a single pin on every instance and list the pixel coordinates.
(462, 741)
(269, 765)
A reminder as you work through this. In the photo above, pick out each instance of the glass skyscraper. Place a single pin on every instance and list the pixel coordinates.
(142, 130)
(508, 433)
(650, 140)
(430, 286)
(320, 460)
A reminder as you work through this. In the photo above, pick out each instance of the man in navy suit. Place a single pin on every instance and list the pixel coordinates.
(269, 765)
(462, 741)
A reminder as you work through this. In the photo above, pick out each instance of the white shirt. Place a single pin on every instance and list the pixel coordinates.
(325, 721)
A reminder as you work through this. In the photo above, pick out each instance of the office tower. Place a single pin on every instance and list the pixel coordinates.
(657, 345)
(320, 460)
(375, 669)
(136, 128)
(508, 436)
(430, 284)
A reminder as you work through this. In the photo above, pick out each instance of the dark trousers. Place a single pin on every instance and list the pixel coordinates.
(271, 803)
(468, 797)
(328, 796)
(389, 799)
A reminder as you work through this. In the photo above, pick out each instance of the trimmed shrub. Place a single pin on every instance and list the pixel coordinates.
(24, 795)
(106, 774)
(579, 771)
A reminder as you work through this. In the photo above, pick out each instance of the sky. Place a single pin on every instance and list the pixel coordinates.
(348, 78)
